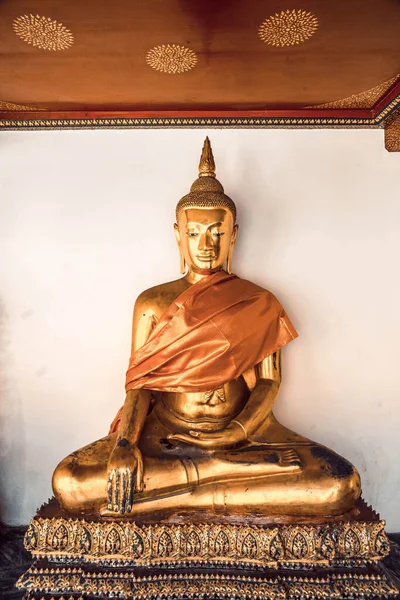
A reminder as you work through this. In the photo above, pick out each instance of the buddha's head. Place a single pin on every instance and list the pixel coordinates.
(205, 225)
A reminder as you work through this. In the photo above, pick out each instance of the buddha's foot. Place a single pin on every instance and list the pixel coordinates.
(260, 460)
(289, 459)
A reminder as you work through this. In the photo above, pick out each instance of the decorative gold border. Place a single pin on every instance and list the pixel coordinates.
(287, 122)
(223, 122)
(118, 542)
(108, 584)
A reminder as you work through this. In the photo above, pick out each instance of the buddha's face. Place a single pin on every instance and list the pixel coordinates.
(205, 237)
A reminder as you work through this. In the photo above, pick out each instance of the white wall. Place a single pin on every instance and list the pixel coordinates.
(86, 224)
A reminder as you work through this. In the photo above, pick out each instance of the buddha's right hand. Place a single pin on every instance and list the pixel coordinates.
(125, 476)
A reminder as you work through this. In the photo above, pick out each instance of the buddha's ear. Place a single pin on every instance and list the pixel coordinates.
(231, 247)
(235, 232)
(181, 256)
(177, 234)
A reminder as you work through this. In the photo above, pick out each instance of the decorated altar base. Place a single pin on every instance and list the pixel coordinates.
(184, 556)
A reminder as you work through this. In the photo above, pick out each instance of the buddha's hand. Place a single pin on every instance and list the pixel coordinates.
(232, 435)
(125, 476)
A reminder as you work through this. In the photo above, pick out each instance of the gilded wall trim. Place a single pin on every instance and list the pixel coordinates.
(392, 135)
(287, 122)
(192, 122)
(366, 99)
(10, 106)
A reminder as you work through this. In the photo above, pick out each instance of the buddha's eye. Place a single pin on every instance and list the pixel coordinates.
(218, 234)
(191, 234)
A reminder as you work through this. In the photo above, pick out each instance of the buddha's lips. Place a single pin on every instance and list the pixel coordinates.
(206, 257)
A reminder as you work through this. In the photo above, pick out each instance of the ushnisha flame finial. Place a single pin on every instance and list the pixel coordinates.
(206, 191)
(207, 163)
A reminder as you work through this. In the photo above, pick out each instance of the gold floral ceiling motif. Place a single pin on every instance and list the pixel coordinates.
(171, 59)
(366, 99)
(288, 28)
(43, 32)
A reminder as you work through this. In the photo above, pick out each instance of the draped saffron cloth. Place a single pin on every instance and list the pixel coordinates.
(217, 329)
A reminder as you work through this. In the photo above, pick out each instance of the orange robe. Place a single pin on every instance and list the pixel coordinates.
(212, 333)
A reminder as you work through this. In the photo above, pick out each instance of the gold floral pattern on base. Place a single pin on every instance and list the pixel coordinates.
(43, 32)
(288, 28)
(171, 59)
(125, 584)
(127, 542)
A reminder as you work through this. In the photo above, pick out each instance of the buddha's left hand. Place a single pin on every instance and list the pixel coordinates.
(226, 438)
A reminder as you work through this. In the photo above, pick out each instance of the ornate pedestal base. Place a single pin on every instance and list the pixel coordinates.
(206, 556)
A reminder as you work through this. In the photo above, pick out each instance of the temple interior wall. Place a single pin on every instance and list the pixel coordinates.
(86, 224)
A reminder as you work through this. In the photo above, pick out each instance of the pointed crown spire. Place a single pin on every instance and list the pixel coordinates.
(207, 163)
(206, 191)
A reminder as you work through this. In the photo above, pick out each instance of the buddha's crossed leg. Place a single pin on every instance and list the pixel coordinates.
(259, 478)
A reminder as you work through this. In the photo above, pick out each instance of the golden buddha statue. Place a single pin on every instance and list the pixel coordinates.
(197, 429)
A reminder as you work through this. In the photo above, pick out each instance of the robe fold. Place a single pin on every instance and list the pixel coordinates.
(212, 333)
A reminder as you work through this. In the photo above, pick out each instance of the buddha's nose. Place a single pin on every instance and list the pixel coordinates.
(205, 242)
